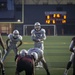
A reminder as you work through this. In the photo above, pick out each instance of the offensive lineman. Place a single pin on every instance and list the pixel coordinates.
(72, 49)
(38, 35)
(11, 43)
(40, 57)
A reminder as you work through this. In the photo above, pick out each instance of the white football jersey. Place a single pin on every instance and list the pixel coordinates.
(38, 34)
(37, 50)
(13, 40)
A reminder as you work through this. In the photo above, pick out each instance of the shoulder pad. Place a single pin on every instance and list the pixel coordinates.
(32, 31)
(10, 35)
(43, 30)
(20, 37)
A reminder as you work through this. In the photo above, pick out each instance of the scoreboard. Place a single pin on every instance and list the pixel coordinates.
(55, 17)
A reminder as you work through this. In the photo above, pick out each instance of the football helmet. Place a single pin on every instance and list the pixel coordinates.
(15, 33)
(35, 55)
(23, 52)
(37, 26)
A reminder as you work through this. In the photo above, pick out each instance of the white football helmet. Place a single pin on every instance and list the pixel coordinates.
(15, 33)
(37, 26)
(23, 52)
(35, 55)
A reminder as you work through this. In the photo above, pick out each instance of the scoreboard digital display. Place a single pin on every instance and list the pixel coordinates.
(55, 17)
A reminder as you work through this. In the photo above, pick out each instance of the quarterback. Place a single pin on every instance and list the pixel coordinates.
(11, 43)
(38, 35)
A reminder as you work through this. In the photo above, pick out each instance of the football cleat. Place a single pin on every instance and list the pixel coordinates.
(3, 72)
(66, 72)
(39, 65)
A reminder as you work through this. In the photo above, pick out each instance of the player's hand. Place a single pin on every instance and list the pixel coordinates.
(39, 40)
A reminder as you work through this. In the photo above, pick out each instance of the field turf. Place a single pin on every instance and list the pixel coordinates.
(56, 54)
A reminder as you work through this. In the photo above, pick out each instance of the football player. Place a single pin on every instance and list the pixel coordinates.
(11, 43)
(71, 47)
(1, 65)
(2, 43)
(38, 35)
(40, 57)
(26, 63)
(74, 64)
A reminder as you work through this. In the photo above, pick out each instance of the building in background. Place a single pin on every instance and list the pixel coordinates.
(48, 12)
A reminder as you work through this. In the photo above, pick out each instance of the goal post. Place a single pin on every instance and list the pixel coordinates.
(50, 29)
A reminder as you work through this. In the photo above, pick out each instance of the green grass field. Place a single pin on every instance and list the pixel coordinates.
(56, 54)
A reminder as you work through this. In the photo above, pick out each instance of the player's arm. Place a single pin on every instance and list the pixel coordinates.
(33, 62)
(33, 68)
(71, 47)
(16, 58)
(33, 36)
(1, 42)
(20, 43)
(36, 40)
(43, 38)
(43, 35)
(7, 41)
